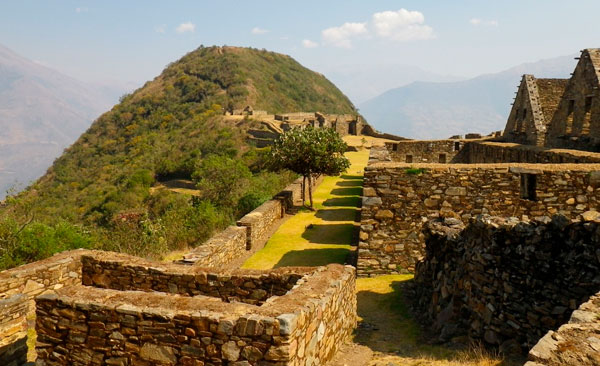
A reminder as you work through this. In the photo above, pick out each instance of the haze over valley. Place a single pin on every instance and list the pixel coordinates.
(41, 112)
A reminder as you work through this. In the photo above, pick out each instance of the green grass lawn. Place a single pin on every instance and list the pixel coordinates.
(323, 236)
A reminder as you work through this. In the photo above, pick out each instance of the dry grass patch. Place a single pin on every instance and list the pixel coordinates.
(389, 330)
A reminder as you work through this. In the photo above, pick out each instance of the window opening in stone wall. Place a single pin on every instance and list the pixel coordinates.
(518, 122)
(456, 146)
(352, 128)
(409, 158)
(528, 186)
(585, 127)
(570, 110)
(394, 147)
(442, 159)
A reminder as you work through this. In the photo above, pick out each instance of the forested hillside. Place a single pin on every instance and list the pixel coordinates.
(98, 193)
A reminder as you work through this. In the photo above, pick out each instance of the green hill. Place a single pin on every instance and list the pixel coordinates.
(98, 193)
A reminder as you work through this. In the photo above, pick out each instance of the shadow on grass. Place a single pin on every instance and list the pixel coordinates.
(313, 257)
(386, 317)
(338, 214)
(353, 177)
(351, 201)
(353, 191)
(331, 234)
(388, 326)
(349, 183)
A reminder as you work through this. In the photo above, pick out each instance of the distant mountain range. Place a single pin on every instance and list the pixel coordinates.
(41, 112)
(428, 110)
(364, 82)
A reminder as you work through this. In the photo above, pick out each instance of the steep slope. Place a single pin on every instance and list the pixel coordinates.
(438, 110)
(41, 113)
(173, 127)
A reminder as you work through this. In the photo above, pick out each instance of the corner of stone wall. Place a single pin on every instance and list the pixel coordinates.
(574, 343)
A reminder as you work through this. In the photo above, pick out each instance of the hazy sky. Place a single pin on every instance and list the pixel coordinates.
(134, 40)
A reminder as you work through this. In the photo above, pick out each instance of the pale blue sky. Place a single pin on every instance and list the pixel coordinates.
(134, 40)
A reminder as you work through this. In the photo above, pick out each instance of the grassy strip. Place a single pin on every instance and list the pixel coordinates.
(323, 236)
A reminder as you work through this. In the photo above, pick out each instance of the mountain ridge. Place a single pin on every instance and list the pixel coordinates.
(428, 110)
(41, 112)
(173, 127)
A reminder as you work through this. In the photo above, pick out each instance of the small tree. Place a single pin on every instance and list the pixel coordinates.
(310, 152)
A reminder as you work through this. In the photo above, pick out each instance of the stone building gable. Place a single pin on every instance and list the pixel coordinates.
(533, 109)
(526, 123)
(550, 92)
(576, 122)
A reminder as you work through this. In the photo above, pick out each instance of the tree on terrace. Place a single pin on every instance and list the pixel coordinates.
(310, 152)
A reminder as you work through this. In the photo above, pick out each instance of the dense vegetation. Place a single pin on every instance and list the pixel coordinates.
(98, 193)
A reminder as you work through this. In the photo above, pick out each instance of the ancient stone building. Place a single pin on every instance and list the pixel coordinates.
(559, 113)
(576, 122)
(533, 109)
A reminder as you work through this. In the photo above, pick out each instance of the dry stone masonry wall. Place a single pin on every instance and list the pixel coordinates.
(507, 282)
(228, 249)
(18, 288)
(260, 221)
(223, 249)
(87, 325)
(399, 198)
(574, 343)
(498, 152)
(126, 273)
(434, 151)
(13, 326)
(231, 247)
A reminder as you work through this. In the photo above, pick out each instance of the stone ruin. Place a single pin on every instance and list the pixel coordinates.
(508, 282)
(132, 312)
(271, 126)
(559, 113)
(501, 232)
(102, 308)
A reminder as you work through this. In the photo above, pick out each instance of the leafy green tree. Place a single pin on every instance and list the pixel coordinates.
(222, 180)
(310, 152)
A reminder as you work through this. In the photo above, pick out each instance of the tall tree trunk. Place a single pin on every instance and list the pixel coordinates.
(303, 189)
(310, 190)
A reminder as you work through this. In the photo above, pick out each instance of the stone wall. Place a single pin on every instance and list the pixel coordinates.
(574, 343)
(259, 223)
(221, 250)
(399, 198)
(434, 151)
(87, 325)
(18, 288)
(231, 247)
(13, 330)
(127, 273)
(498, 152)
(367, 130)
(576, 122)
(504, 281)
